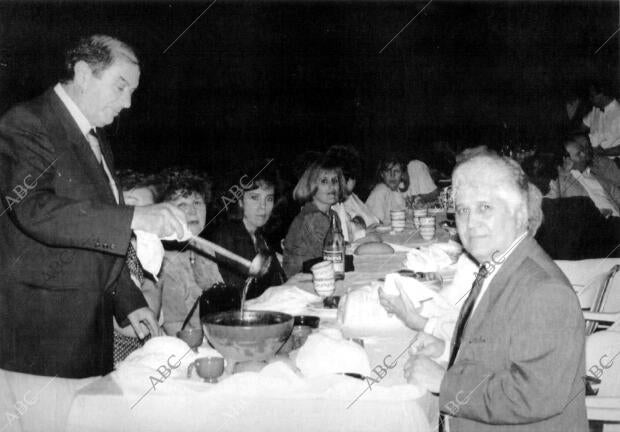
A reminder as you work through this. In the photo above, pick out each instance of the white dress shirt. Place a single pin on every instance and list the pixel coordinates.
(595, 190)
(604, 125)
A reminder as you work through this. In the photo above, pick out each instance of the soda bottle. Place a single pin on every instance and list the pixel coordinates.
(333, 247)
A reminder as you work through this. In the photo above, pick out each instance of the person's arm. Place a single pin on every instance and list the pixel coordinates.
(376, 203)
(30, 165)
(546, 354)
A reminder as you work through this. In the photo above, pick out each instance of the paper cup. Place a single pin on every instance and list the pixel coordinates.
(323, 270)
(398, 218)
(427, 233)
(324, 287)
(427, 221)
(417, 214)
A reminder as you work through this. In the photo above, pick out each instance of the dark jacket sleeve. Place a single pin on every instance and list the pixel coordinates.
(29, 172)
(127, 297)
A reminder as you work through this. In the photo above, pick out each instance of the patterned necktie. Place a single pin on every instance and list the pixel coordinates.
(466, 311)
(135, 269)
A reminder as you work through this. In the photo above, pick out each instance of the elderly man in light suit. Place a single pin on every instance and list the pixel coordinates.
(517, 354)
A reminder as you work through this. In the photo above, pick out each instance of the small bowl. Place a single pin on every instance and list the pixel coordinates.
(207, 368)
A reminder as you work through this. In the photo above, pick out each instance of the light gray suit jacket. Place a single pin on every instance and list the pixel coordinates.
(521, 359)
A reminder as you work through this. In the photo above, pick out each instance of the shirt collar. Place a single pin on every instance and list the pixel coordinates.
(576, 173)
(74, 110)
(611, 106)
(498, 259)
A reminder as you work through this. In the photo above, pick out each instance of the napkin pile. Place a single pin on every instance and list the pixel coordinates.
(327, 352)
(284, 298)
(150, 250)
(432, 258)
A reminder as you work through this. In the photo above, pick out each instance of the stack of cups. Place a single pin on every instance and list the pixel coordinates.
(417, 214)
(398, 220)
(427, 227)
(324, 278)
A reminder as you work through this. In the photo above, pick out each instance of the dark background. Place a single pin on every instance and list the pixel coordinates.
(256, 79)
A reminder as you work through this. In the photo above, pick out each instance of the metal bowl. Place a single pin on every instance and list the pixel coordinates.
(251, 336)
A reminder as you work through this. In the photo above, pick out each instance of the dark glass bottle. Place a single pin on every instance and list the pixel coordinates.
(333, 247)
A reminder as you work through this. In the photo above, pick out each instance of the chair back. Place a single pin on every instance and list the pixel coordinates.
(589, 277)
(607, 298)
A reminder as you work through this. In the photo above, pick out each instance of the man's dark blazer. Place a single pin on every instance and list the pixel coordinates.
(521, 359)
(63, 241)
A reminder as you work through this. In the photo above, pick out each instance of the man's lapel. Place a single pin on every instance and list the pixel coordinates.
(68, 127)
(499, 285)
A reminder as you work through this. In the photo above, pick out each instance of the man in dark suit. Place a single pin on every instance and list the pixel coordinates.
(65, 231)
(517, 354)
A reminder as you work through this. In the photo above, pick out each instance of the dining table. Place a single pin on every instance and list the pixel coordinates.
(257, 402)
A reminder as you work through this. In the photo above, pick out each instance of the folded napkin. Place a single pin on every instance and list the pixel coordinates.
(327, 352)
(361, 314)
(416, 291)
(427, 259)
(150, 250)
(284, 298)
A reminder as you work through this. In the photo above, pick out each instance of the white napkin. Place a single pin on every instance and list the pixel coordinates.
(427, 259)
(360, 313)
(284, 298)
(344, 220)
(395, 285)
(150, 250)
(328, 353)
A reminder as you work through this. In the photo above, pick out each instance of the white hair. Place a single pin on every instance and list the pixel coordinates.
(504, 174)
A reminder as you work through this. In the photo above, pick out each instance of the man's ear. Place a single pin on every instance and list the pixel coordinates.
(522, 216)
(81, 74)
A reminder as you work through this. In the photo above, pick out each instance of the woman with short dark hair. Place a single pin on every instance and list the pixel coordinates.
(245, 237)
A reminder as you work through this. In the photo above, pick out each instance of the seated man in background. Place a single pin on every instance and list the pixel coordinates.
(517, 355)
(579, 176)
(603, 122)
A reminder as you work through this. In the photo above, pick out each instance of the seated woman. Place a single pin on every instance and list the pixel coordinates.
(185, 272)
(389, 193)
(320, 187)
(244, 236)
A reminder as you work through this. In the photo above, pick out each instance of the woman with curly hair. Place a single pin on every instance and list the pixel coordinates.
(185, 272)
